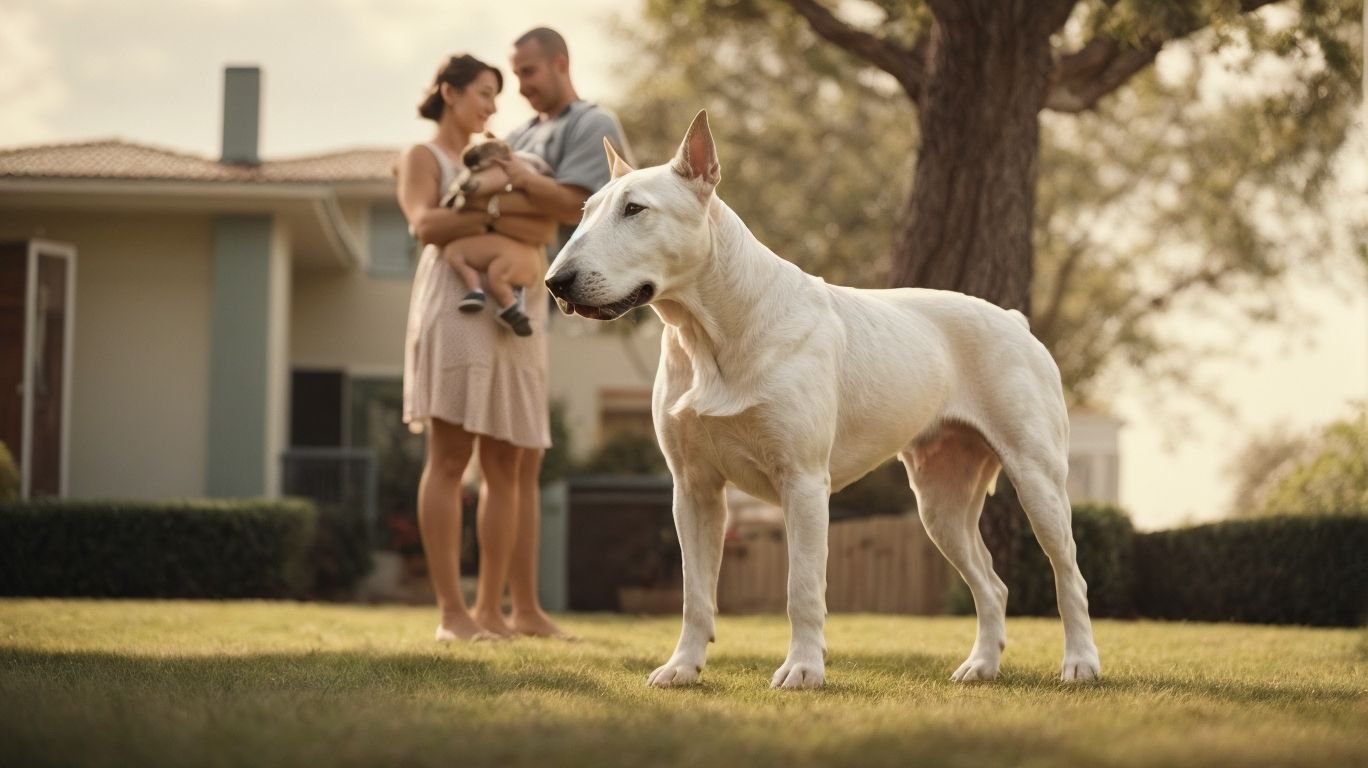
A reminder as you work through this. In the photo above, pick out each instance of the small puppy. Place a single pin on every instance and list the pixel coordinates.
(479, 157)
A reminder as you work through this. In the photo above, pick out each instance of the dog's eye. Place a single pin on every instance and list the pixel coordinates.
(633, 209)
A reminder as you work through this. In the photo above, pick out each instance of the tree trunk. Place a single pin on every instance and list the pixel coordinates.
(967, 226)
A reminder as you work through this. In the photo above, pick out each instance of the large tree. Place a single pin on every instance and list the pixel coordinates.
(981, 72)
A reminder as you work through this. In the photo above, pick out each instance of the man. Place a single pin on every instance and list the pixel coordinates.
(568, 133)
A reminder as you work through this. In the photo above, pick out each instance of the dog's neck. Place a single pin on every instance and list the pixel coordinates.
(744, 291)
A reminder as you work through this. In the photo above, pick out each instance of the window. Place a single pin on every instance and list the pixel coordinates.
(625, 411)
(393, 251)
(316, 417)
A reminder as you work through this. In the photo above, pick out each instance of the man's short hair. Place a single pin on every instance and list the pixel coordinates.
(551, 42)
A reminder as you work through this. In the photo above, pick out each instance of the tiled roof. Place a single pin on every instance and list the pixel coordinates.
(123, 160)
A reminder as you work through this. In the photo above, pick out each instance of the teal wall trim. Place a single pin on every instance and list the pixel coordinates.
(239, 360)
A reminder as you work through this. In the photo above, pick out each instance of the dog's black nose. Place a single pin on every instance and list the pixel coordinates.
(561, 283)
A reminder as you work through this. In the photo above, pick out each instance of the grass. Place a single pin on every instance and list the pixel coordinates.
(267, 684)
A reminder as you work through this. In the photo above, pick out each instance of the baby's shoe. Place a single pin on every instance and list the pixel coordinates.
(516, 320)
(473, 302)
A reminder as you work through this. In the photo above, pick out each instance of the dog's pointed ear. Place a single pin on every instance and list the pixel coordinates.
(616, 164)
(697, 157)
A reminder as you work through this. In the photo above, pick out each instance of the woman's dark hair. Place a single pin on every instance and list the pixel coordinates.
(459, 71)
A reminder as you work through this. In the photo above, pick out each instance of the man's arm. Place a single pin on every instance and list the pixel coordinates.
(419, 189)
(580, 171)
(562, 202)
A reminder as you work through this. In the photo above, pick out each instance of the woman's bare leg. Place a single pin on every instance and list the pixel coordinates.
(498, 529)
(439, 521)
(528, 617)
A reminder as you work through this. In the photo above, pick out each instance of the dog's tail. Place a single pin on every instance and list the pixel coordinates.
(1020, 318)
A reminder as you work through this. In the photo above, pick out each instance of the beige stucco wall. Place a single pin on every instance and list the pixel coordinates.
(348, 320)
(587, 358)
(140, 394)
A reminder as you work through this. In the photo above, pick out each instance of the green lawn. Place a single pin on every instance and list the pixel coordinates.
(263, 684)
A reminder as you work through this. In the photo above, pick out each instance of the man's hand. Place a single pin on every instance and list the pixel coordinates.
(489, 181)
(523, 176)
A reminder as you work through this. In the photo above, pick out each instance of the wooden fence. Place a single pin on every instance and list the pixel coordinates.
(875, 565)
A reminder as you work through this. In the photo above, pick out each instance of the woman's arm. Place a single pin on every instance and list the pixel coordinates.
(518, 218)
(420, 180)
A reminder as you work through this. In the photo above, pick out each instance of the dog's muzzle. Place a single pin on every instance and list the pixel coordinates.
(562, 287)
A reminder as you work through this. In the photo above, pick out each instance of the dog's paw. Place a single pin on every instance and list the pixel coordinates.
(675, 672)
(1077, 669)
(799, 674)
(976, 669)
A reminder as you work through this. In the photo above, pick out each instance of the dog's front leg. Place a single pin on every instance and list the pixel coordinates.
(806, 519)
(700, 519)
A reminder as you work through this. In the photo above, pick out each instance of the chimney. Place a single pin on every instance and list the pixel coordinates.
(241, 115)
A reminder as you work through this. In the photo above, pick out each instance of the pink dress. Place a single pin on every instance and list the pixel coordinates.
(468, 369)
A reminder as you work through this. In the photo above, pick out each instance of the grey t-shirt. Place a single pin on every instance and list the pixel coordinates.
(572, 144)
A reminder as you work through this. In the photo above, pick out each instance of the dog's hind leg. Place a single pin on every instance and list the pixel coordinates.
(1039, 479)
(700, 512)
(950, 473)
(807, 518)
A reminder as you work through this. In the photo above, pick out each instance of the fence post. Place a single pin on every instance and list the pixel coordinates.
(551, 558)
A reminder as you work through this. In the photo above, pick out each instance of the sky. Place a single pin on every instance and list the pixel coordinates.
(341, 74)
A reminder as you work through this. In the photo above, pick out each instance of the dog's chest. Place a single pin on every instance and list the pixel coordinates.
(743, 449)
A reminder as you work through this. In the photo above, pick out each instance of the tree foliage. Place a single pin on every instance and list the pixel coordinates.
(1326, 473)
(805, 135)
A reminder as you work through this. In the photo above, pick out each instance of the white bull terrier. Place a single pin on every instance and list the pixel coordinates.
(791, 388)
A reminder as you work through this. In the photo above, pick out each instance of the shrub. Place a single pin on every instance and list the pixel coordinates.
(1276, 570)
(556, 464)
(341, 552)
(180, 549)
(1105, 539)
(9, 476)
(884, 491)
(627, 453)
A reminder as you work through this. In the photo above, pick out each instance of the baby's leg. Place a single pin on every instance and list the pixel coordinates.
(473, 300)
(507, 278)
(514, 268)
(500, 285)
(452, 255)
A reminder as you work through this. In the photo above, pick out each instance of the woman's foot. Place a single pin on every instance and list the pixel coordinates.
(492, 622)
(538, 624)
(460, 626)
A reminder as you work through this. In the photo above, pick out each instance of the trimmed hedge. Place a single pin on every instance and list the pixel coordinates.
(341, 553)
(171, 549)
(1276, 570)
(1105, 540)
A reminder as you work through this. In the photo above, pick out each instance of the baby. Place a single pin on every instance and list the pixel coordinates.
(509, 264)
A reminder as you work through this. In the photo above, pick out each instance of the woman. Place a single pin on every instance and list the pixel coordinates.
(470, 382)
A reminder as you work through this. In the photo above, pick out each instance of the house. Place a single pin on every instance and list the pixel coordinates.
(180, 326)
(201, 318)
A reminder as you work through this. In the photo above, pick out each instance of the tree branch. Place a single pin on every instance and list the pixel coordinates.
(1206, 277)
(903, 64)
(1045, 328)
(1101, 66)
